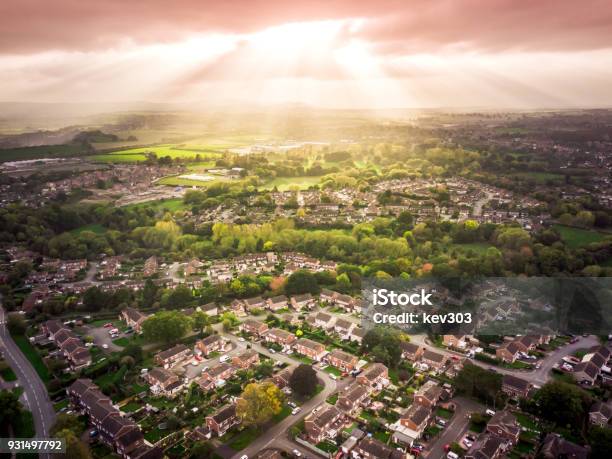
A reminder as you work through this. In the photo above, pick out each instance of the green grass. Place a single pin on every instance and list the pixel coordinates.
(24, 425)
(140, 154)
(540, 177)
(94, 228)
(284, 412)
(171, 205)
(121, 341)
(8, 375)
(244, 439)
(577, 237)
(327, 446)
(286, 183)
(130, 407)
(479, 248)
(332, 399)
(526, 421)
(444, 413)
(177, 181)
(39, 152)
(59, 405)
(33, 356)
(333, 371)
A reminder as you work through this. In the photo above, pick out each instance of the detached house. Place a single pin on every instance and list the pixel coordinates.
(508, 352)
(434, 359)
(375, 377)
(280, 336)
(222, 420)
(351, 399)
(246, 359)
(411, 424)
(253, 327)
(428, 394)
(163, 382)
(212, 343)
(411, 351)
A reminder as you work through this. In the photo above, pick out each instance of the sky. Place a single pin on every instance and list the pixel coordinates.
(332, 53)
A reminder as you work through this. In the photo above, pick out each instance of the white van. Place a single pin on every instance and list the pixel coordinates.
(452, 455)
(224, 358)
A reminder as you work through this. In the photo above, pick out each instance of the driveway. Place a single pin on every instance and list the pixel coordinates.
(100, 337)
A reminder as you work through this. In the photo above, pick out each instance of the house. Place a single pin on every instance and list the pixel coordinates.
(326, 421)
(411, 351)
(222, 371)
(586, 372)
(223, 420)
(357, 334)
(434, 359)
(324, 320)
(508, 352)
(311, 349)
(600, 413)
(253, 327)
(342, 360)
(412, 423)
(503, 424)
(305, 301)
(456, 341)
(133, 318)
(428, 394)
(375, 377)
(255, 303)
(71, 346)
(172, 356)
(345, 302)
(120, 433)
(281, 379)
(246, 359)
(514, 386)
(163, 382)
(554, 447)
(487, 447)
(212, 343)
(150, 266)
(344, 327)
(277, 303)
(351, 399)
(210, 309)
(327, 296)
(238, 308)
(279, 336)
(371, 448)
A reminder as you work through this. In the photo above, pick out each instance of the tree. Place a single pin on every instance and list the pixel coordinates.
(177, 298)
(302, 281)
(563, 404)
(75, 448)
(149, 293)
(303, 380)
(16, 324)
(166, 326)
(65, 421)
(200, 321)
(384, 345)
(600, 439)
(134, 351)
(474, 381)
(10, 407)
(258, 403)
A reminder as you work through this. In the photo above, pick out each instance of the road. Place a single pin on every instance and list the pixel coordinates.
(456, 428)
(537, 377)
(278, 430)
(35, 392)
(477, 210)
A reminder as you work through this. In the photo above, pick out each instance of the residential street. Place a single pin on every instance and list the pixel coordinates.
(456, 428)
(35, 391)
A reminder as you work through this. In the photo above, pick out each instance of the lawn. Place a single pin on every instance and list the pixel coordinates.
(332, 399)
(244, 439)
(33, 356)
(286, 183)
(479, 248)
(333, 371)
(327, 446)
(526, 421)
(140, 154)
(59, 405)
(38, 152)
(8, 374)
(444, 413)
(171, 205)
(577, 237)
(178, 181)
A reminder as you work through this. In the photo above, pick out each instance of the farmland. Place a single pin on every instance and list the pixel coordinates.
(577, 237)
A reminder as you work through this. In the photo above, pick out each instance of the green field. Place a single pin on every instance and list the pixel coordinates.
(577, 237)
(480, 248)
(177, 181)
(171, 205)
(32, 355)
(44, 151)
(140, 154)
(286, 183)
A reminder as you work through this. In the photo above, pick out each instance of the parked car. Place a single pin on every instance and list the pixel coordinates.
(296, 453)
(296, 410)
(108, 325)
(490, 412)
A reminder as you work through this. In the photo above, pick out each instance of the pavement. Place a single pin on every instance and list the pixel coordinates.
(35, 391)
